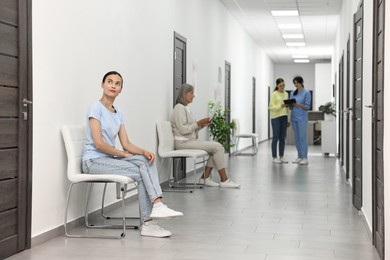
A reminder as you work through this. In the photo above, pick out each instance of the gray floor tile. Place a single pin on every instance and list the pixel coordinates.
(281, 212)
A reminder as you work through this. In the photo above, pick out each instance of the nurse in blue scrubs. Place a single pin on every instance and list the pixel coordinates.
(299, 119)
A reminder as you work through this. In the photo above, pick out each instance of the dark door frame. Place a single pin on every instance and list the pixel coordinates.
(228, 86)
(183, 69)
(269, 114)
(357, 181)
(348, 110)
(253, 105)
(26, 69)
(378, 234)
(180, 170)
(19, 84)
(341, 110)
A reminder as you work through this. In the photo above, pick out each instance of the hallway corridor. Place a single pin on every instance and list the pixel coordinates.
(281, 212)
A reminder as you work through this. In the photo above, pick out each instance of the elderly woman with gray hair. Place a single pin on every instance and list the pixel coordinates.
(185, 131)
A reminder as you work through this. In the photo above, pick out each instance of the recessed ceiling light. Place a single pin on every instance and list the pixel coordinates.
(300, 56)
(289, 26)
(295, 44)
(301, 60)
(293, 36)
(284, 13)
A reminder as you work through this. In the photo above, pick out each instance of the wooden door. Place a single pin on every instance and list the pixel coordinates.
(179, 77)
(341, 110)
(253, 105)
(228, 69)
(377, 137)
(269, 114)
(357, 109)
(15, 127)
(348, 112)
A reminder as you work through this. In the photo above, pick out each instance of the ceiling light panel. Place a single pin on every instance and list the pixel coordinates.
(295, 44)
(285, 13)
(289, 26)
(301, 60)
(300, 56)
(293, 36)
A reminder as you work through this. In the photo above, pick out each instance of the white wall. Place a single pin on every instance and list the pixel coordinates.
(76, 42)
(323, 92)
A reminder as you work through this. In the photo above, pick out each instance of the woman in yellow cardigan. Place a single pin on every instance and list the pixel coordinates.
(280, 120)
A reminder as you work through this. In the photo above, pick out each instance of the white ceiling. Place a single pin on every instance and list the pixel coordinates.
(319, 20)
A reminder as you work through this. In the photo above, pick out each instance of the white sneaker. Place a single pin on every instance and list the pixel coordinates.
(276, 160)
(151, 229)
(304, 162)
(283, 160)
(160, 210)
(229, 184)
(208, 182)
(298, 160)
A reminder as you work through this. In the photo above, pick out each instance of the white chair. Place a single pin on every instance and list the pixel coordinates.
(166, 150)
(74, 139)
(237, 135)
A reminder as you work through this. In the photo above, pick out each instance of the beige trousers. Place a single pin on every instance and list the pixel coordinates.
(214, 149)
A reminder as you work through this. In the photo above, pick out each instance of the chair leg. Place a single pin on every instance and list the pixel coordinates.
(122, 192)
(88, 192)
(254, 144)
(237, 142)
(66, 211)
(172, 182)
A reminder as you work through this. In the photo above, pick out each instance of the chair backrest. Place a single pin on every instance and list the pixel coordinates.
(165, 137)
(74, 139)
(237, 126)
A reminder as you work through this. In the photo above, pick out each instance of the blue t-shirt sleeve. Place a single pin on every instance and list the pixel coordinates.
(307, 100)
(94, 112)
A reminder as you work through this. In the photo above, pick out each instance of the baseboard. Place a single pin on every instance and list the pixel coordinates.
(366, 224)
(59, 231)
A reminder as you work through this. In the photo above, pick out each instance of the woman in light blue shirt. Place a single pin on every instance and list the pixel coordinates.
(299, 119)
(105, 122)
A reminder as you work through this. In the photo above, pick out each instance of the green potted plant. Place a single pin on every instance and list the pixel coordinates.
(221, 130)
(328, 109)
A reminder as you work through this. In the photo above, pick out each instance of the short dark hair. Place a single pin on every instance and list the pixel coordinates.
(113, 72)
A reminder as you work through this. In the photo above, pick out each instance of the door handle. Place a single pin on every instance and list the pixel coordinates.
(25, 102)
(370, 106)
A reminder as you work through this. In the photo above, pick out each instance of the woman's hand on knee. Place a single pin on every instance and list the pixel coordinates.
(149, 156)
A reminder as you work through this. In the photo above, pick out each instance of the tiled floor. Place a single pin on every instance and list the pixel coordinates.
(281, 212)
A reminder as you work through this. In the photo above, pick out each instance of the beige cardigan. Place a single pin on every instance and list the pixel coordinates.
(183, 124)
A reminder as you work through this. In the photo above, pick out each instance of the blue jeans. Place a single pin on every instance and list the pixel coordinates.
(279, 129)
(300, 132)
(138, 169)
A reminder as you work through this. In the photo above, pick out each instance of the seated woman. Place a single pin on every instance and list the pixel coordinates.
(104, 123)
(185, 130)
